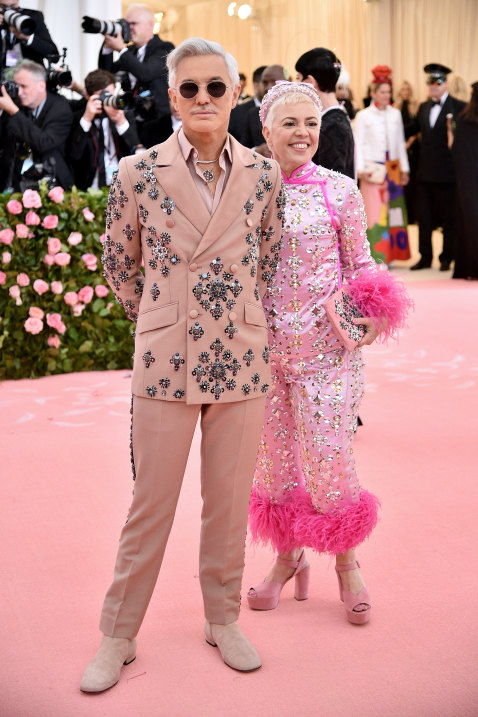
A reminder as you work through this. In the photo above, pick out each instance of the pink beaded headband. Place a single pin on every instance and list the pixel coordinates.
(283, 87)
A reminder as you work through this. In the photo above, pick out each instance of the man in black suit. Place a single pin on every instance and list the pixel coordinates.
(101, 135)
(239, 112)
(33, 136)
(251, 135)
(436, 175)
(16, 46)
(145, 61)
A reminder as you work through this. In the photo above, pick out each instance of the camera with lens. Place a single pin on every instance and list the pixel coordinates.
(11, 88)
(60, 76)
(106, 27)
(118, 101)
(23, 23)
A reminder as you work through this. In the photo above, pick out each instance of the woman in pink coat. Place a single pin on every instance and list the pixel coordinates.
(306, 492)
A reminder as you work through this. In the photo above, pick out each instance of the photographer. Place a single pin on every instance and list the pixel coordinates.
(145, 61)
(17, 46)
(33, 137)
(101, 134)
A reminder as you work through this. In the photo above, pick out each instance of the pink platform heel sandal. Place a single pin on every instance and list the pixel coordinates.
(357, 607)
(265, 596)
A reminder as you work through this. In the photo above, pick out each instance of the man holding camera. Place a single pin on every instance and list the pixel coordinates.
(33, 136)
(101, 133)
(16, 43)
(145, 61)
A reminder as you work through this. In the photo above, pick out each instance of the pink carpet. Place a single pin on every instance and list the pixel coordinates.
(66, 487)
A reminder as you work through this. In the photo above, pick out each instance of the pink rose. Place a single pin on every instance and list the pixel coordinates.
(14, 207)
(50, 221)
(40, 286)
(78, 309)
(54, 341)
(54, 322)
(6, 236)
(56, 287)
(32, 219)
(91, 261)
(23, 279)
(71, 298)
(85, 294)
(6, 257)
(3, 278)
(56, 194)
(101, 291)
(22, 231)
(49, 259)
(62, 258)
(35, 312)
(54, 245)
(88, 214)
(14, 291)
(75, 238)
(33, 326)
(31, 199)
(103, 238)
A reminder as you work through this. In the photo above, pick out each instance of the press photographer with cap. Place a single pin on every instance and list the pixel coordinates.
(102, 134)
(17, 45)
(33, 136)
(436, 175)
(145, 61)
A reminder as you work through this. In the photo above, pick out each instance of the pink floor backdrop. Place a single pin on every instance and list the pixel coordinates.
(66, 487)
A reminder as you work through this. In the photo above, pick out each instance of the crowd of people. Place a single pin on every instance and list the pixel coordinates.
(242, 249)
(397, 149)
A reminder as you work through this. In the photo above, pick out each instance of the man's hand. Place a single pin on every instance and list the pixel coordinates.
(6, 103)
(18, 34)
(116, 116)
(93, 108)
(115, 42)
(404, 178)
(263, 150)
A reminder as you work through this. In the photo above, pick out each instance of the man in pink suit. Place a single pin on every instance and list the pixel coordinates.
(204, 215)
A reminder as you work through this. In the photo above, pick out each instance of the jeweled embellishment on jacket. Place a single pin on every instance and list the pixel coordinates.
(176, 360)
(196, 331)
(167, 205)
(148, 358)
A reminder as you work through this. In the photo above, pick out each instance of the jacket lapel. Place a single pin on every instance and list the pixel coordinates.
(245, 173)
(173, 174)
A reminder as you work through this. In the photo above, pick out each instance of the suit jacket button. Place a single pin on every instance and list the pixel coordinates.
(249, 222)
(193, 314)
(170, 223)
(193, 266)
(233, 268)
(232, 315)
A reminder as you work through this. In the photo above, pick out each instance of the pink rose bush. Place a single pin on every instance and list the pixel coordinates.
(55, 308)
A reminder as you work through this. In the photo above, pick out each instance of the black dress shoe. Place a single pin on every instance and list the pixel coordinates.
(422, 264)
(445, 266)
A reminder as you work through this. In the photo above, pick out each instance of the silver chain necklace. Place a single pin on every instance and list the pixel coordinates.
(207, 173)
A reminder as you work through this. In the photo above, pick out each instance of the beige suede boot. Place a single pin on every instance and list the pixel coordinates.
(236, 650)
(104, 669)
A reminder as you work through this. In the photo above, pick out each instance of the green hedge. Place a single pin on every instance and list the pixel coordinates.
(57, 314)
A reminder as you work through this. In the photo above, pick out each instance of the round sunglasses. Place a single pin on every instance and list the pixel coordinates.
(215, 88)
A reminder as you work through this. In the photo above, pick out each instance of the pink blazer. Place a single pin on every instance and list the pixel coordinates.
(200, 327)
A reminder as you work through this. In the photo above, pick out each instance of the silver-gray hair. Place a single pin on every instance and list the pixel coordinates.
(38, 71)
(194, 47)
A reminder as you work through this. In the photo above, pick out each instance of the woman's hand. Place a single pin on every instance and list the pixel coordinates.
(371, 332)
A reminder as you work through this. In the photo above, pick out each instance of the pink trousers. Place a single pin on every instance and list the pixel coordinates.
(305, 490)
(162, 432)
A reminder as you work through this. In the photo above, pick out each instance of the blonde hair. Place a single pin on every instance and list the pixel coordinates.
(291, 98)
